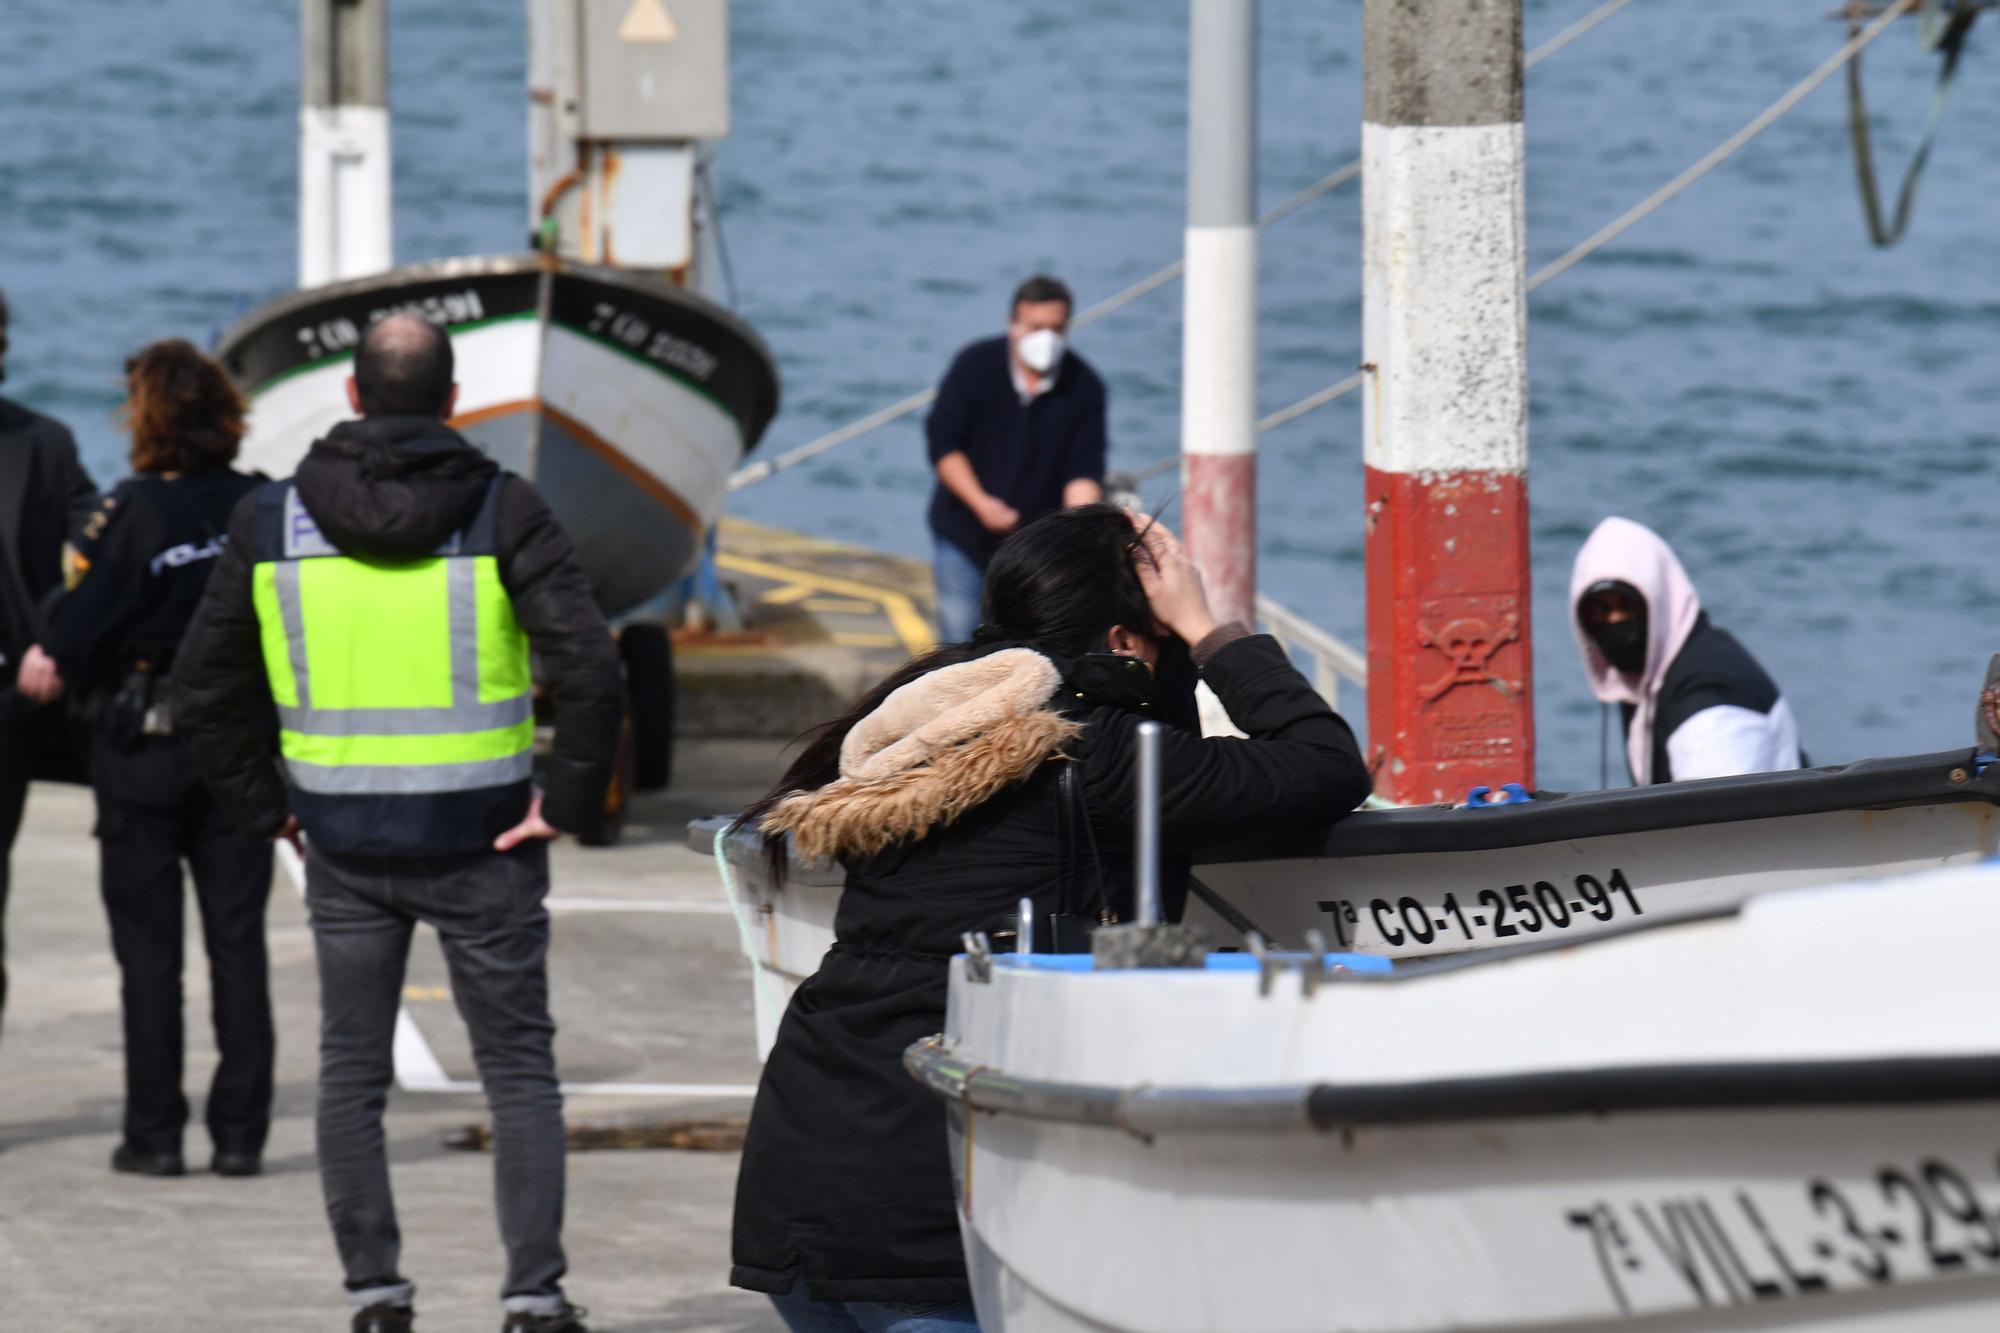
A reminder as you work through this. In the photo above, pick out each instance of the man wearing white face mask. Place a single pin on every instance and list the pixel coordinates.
(1017, 431)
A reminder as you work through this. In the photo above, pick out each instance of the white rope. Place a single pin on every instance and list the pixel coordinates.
(1717, 155)
(1573, 31)
(1611, 231)
(753, 473)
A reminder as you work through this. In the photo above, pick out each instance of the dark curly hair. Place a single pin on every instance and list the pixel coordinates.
(184, 414)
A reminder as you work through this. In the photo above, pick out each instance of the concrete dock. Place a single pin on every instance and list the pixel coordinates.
(651, 997)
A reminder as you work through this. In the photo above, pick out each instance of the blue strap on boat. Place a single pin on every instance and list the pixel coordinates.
(1511, 793)
(1046, 962)
(1215, 962)
(1352, 962)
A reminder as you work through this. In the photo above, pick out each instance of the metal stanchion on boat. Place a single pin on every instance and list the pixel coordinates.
(1024, 935)
(1146, 851)
(1148, 941)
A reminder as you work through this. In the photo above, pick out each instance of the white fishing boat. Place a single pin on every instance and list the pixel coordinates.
(1780, 1116)
(596, 365)
(627, 398)
(1444, 879)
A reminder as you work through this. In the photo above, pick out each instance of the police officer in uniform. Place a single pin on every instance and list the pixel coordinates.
(137, 573)
(384, 602)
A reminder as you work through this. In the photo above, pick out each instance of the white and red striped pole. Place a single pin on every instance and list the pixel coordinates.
(1445, 418)
(1219, 310)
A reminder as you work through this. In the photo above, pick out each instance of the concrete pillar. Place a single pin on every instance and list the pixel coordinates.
(1445, 416)
(1219, 333)
(345, 211)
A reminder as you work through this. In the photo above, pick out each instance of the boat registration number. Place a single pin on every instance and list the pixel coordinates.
(1512, 913)
(1902, 1222)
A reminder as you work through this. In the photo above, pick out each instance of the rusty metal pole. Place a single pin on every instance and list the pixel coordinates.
(1445, 413)
(1219, 313)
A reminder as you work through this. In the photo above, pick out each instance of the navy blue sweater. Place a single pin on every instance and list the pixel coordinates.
(1023, 453)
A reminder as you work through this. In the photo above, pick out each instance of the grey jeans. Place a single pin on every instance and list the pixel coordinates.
(487, 910)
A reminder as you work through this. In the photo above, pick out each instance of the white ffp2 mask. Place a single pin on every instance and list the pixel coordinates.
(1040, 350)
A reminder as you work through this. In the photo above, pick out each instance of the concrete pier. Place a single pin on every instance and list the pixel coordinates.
(651, 997)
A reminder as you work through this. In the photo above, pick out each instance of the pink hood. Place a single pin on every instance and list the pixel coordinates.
(1633, 553)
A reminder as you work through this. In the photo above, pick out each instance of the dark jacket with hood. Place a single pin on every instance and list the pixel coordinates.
(45, 499)
(396, 488)
(952, 806)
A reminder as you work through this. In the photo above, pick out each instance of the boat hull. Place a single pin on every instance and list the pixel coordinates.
(1437, 880)
(1784, 1118)
(626, 399)
(1381, 880)
(1580, 1224)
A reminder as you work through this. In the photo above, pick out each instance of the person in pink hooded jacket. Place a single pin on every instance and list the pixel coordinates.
(1696, 703)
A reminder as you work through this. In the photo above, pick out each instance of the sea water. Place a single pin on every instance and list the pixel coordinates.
(1814, 423)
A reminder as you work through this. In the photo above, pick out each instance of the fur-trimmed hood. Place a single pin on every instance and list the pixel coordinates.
(939, 746)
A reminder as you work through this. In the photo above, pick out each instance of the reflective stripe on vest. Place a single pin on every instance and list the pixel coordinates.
(393, 677)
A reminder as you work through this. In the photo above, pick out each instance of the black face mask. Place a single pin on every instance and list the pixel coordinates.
(1623, 644)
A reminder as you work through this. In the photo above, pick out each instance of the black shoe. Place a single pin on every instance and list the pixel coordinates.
(135, 1163)
(570, 1320)
(237, 1163)
(385, 1319)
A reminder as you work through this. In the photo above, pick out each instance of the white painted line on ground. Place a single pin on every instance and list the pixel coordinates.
(418, 1068)
(635, 905)
(659, 1089)
(294, 864)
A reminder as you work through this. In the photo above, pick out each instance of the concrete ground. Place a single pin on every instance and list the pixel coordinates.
(657, 994)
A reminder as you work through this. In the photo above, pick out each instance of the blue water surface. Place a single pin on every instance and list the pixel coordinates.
(1809, 419)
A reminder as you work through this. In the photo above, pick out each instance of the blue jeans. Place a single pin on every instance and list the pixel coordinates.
(960, 583)
(803, 1314)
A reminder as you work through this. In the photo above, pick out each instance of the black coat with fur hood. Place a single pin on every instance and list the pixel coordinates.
(947, 812)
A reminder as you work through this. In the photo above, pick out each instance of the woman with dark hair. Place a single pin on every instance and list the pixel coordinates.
(979, 774)
(136, 575)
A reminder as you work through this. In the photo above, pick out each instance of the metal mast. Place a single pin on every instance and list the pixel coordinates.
(345, 208)
(1219, 325)
(625, 100)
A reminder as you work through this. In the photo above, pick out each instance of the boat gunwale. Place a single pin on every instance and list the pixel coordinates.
(1145, 1110)
(1896, 782)
(1862, 784)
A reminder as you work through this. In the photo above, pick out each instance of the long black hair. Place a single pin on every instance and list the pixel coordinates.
(1058, 585)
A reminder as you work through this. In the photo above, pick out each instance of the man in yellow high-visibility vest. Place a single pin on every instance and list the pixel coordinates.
(359, 670)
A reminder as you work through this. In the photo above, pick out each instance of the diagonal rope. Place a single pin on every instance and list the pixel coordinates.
(753, 473)
(1625, 221)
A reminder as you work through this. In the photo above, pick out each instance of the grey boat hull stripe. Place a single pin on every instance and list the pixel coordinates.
(408, 779)
(1748, 1085)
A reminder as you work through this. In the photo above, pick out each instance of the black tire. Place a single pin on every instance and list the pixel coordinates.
(648, 655)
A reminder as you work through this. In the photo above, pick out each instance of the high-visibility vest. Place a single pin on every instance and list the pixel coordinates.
(404, 695)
